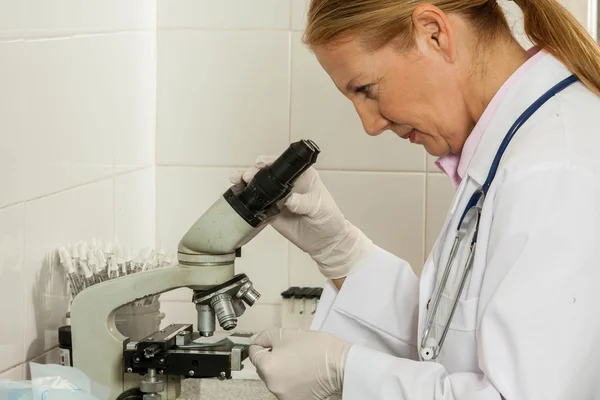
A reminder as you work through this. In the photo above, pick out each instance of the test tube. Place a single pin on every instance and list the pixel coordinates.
(128, 261)
(113, 268)
(67, 263)
(102, 265)
(315, 295)
(93, 265)
(121, 261)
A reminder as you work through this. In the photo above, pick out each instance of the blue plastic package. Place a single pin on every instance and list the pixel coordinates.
(53, 382)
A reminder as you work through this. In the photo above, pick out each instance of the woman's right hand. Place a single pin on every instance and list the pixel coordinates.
(312, 221)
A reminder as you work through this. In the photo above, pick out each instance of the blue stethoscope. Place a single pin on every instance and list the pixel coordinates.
(430, 347)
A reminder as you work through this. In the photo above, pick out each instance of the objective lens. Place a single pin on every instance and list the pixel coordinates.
(224, 311)
(206, 320)
(248, 294)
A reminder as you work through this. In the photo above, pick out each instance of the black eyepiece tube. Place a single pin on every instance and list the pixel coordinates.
(295, 160)
(272, 183)
(315, 156)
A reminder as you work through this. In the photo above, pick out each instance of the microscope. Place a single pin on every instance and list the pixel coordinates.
(152, 369)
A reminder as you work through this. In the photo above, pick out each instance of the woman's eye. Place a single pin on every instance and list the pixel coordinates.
(363, 89)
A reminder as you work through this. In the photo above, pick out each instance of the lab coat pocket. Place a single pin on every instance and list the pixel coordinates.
(459, 352)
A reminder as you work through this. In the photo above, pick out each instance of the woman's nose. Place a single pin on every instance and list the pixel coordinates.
(373, 122)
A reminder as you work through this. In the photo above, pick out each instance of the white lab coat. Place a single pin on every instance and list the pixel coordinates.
(528, 322)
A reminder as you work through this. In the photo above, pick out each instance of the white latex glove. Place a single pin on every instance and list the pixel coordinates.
(312, 221)
(297, 364)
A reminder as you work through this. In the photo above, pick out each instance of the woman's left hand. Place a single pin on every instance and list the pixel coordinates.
(299, 364)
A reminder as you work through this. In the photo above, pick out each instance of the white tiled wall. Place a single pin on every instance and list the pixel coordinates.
(77, 153)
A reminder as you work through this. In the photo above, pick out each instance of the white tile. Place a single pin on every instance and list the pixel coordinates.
(299, 10)
(387, 207)
(134, 90)
(12, 108)
(85, 112)
(13, 374)
(135, 209)
(48, 315)
(12, 282)
(48, 118)
(66, 17)
(259, 317)
(179, 312)
(224, 14)
(12, 19)
(75, 215)
(255, 319)
(431, 167)
(439, 198)
(303, 270)
(223, 97)
(321, 113)
(183, 195)
(69, 130)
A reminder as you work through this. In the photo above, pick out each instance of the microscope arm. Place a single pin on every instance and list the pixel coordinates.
(97, 344)
(219, 231)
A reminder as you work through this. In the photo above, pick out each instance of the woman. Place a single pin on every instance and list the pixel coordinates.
(449, 76)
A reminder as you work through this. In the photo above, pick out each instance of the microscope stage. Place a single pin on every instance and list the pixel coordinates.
(173, 352)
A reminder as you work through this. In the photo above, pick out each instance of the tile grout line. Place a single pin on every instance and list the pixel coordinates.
(117, 174)
(72, 35)
(291, 15)
(24, 283)
(290, 88)
(224, 29)
(406, 172)
(156, 105)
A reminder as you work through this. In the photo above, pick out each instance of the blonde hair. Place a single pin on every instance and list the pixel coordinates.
(379, 22)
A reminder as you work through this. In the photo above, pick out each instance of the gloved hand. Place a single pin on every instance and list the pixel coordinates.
(312, 221)
(299, 364)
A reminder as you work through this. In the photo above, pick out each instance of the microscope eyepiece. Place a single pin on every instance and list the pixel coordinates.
(272, 183)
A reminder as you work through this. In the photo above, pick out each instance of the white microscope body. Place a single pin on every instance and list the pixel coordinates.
(206, 256)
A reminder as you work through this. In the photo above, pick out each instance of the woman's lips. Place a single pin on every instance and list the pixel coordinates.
(410, 136)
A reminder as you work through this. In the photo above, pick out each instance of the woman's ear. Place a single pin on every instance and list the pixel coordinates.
(433, 31)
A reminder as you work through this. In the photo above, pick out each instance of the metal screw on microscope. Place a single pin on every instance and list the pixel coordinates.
(130, 370)
(160, 372)
(137, 359)
(222, 376)
(191, 373)
(161, 361)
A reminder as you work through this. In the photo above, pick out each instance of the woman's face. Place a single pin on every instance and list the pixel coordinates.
(417, 94)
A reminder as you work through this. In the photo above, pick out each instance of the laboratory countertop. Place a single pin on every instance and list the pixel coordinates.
(245, 385)
(233, 389)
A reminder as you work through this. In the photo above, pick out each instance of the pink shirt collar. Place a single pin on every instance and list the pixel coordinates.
(456, 165)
